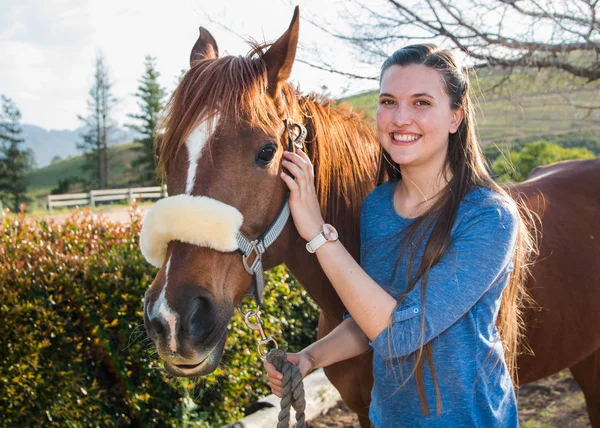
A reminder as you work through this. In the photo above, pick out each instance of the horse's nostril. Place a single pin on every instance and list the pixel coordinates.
(158, 326)
(201, 317)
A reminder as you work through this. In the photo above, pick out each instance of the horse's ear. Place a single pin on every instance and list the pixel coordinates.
(205, 47)
(280, 56)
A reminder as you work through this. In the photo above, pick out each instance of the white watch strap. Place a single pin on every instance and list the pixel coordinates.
(315, 243)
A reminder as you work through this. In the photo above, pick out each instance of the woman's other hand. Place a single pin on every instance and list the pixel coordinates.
(304, 204)
(302, 360)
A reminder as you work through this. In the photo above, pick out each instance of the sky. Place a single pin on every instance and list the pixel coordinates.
(48, 47)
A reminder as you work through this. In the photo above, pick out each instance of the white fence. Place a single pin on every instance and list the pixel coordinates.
(102, 195)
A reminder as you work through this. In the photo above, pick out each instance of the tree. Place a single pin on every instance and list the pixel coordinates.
(516, 166)
(151, 103)
(98, 124)
(15, 161)
(561, 35)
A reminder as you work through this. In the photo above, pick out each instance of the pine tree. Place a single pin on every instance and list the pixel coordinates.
(15, 161)
(98, 124)
(150, 101)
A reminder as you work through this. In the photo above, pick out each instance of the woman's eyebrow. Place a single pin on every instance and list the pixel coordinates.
(423, 94)
(418, 95)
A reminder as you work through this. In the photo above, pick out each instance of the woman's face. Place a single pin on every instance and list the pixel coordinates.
(414, 117)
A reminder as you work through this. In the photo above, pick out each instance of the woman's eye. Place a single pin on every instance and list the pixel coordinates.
(386, 102)
(266, 155)
(422, 103)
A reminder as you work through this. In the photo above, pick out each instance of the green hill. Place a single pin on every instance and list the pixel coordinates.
(119, 160)
(527, 107)
(503, 119)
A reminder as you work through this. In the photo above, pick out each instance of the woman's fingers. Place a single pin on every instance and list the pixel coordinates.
(272, 371)
(304, 156)
(294, 169)
(289, 181)
(277, 391)
(299, 159)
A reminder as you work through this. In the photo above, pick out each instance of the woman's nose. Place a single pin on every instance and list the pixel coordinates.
(401, 117)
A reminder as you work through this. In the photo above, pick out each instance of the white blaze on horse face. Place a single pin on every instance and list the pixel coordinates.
(195, 143)
(162, 309)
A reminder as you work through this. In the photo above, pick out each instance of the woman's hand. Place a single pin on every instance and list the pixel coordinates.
(302, 360)
(304, 204)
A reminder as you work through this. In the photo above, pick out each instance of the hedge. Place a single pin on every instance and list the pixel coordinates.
(74, 351)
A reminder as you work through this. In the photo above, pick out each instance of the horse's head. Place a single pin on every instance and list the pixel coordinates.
(224, 136)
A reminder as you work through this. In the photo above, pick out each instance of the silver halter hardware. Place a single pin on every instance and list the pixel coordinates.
(259, 246)
(296, 134)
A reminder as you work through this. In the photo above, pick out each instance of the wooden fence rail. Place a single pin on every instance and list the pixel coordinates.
(103, 195)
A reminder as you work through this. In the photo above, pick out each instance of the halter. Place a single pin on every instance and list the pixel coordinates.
(296, 135)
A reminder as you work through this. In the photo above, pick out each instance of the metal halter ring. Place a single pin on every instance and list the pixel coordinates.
(257, 258)
(296, 134)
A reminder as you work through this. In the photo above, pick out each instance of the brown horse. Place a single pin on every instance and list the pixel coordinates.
(564, 330)
(221, 151)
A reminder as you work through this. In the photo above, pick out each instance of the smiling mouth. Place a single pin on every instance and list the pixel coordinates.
(404, 138)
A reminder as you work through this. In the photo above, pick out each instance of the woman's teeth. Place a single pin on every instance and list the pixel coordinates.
(405, 137)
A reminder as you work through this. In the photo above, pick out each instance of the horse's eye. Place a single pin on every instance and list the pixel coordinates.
(266, 155)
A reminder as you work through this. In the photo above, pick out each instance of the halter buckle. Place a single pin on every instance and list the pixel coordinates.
(258, 325)
(251, 269)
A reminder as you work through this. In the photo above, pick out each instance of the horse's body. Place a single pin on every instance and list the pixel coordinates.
(564, 330)
(246, 100)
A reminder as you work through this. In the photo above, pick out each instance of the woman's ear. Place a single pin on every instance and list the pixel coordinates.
(457, 118)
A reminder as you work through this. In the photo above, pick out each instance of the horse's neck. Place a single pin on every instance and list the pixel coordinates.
(307, 270)
(304, 265)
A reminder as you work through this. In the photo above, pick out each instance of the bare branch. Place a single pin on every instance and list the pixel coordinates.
(563, 35)
(334, 71)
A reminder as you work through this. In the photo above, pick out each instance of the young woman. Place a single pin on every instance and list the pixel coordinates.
(442, 248)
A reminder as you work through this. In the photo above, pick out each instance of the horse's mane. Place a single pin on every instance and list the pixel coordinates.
(341, 143)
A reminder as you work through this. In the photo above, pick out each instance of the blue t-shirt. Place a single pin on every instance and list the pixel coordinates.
(464, 290)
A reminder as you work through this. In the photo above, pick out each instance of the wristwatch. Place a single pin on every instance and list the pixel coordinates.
(328, 234)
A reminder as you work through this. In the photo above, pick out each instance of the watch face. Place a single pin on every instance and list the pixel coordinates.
(329, 232)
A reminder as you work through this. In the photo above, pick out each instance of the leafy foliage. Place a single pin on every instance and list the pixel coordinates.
(74, 351)
(516, 166)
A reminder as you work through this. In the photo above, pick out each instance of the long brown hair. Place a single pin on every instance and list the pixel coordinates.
(466, 163)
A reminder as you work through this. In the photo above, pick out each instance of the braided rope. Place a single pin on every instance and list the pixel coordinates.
(293, 389)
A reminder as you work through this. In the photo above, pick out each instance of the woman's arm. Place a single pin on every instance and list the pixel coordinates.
(369, 304)
(345, 341)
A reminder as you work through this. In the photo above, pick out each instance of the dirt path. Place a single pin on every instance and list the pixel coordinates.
(552, 402)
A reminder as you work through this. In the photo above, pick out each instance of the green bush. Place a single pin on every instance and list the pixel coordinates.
(74, 351)
(516, 166)
(589, 139)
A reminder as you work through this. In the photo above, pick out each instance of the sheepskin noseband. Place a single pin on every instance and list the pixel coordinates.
(197, 220)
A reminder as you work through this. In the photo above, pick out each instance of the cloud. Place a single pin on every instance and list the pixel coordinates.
(48, 48)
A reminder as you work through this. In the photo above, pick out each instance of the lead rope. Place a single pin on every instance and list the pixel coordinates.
(293, 389)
